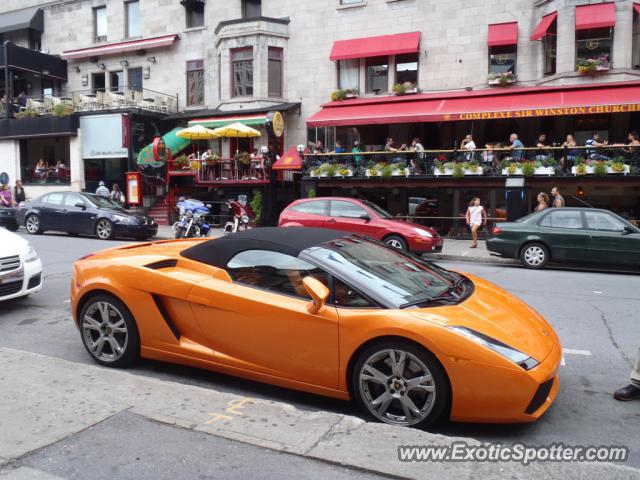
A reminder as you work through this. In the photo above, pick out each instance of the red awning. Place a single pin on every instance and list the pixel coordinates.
(122, 47)
(524, 102)
(636, 8)
(291, 160)
(376, 46)
(503, 34)
(544, 25)
(600, 15)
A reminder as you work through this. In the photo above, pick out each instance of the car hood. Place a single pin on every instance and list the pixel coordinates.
(500, 315)
(12, 244)
(405, 225)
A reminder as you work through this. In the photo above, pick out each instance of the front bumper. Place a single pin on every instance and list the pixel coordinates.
(488, 393)
(125, 230)
(23, 281)
(8, 220)
(419, 244)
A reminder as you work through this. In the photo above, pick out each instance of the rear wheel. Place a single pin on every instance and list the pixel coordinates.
(104, 229)
(396, 242)
(109, 332)
(32, 224)
(400, 383)
(534, 255)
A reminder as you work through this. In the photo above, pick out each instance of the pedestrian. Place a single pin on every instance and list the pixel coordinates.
(543, 202)
(476, 217)
(558, 200)
(631, 391)
(117, 195)
(19, 194)
(103, 191)
(5, 196)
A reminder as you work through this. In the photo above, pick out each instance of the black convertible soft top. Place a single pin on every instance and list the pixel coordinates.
(288, 240)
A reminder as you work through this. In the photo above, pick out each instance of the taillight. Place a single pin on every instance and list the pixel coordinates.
(496, 230)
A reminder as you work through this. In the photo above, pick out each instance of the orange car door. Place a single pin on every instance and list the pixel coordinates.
(259, 322)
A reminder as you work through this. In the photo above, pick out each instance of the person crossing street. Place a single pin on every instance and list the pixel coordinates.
(631, 391)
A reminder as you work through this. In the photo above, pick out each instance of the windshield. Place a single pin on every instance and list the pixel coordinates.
(390, 277)
(379, 211)
(102, 202)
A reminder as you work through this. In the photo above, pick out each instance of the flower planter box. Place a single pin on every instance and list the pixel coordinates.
(498, 83)
(351, 95)
(589, 170)
(542, 171)
(350, 174)
(447, 172)
(401, 173)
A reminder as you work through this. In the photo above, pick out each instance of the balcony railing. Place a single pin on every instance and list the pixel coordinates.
(94, 100)
(221, 170)
(561, 161)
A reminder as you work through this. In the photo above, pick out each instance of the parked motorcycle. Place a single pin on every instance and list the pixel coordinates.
(242, 216)
(192, 222)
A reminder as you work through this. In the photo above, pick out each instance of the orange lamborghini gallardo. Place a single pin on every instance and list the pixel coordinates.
(324, 312)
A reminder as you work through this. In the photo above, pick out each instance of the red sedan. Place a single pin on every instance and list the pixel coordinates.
(362, 217)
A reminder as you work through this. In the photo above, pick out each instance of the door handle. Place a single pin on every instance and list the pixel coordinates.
(331, 220)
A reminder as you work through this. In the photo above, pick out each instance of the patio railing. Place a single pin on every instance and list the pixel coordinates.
(223, 169)
(583, 160)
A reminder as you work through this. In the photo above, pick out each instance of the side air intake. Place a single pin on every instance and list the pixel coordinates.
(159, 265)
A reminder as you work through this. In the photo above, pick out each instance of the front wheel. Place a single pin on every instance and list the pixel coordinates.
(32, 224)
(396, 242)
(109, 332)
(104, 229)
(400, 384)
(534, 255)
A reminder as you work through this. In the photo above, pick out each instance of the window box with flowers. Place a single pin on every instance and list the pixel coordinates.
(457, 169)
(340, 94)
(386, 170)
(600, 167)
(404, 88)
(502, 79)
(593, 66)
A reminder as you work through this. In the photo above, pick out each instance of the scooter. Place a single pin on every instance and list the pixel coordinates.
(242, 216)
(192, 221)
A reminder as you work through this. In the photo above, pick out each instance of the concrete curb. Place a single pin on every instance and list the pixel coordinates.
(504, 262)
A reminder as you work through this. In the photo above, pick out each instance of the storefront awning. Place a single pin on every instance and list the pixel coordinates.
(636, 8)
(524, 102)
(291, 160)
(32, 18)
(119, 48)
(220, 121)
(600, 15)
(376, 46)
(544, 25)
(501, 34)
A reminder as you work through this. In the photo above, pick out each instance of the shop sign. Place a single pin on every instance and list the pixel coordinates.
(133, 188)
(546, 112)
(103, 136)
(275, 124)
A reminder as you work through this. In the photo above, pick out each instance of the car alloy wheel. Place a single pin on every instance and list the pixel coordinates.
(104, 229)
(33, 224)
(396, 242)
(109, 332)
(534, 255)
(397, 387)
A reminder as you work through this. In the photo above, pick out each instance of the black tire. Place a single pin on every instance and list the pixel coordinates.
(396, 241)
(534, 255)
(13, 228)
(33, 225)
(131, 351)
(434, 406)
(104, 229)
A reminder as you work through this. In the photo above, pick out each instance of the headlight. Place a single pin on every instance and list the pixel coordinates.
(30, 254)
(244, 218)
(422, 233)
(123, 219)
(516, 356)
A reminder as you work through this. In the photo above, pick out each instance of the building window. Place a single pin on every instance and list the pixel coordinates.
(133, 18)
(35, 39)
(502, 59)
(550, 46)
(594, 47)
(195, 14)
(195, 82)
(377, 75)
(98, 82)
(407, 68)
(100, 24)
(251, 8)
(117, 81)
(350, 2)
(635, 60)
(242, 71)
(135, 78)
(349, 74)
(275, 72)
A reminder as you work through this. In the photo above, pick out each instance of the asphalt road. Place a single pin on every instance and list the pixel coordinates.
(595, 315)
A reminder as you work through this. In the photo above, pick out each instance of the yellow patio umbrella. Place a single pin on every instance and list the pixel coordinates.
(197, 132)
(237, 130)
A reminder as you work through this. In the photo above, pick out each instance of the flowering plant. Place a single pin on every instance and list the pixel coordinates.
(590, 66)
(403, 88)
(503, 78)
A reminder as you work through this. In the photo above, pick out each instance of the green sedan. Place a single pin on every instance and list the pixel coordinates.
(585, 235)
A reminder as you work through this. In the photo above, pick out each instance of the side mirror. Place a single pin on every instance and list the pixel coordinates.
(80, 205)
(627, 230)
(318, 292)
(365, 217)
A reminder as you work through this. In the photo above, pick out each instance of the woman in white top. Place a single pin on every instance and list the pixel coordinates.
(476, 217)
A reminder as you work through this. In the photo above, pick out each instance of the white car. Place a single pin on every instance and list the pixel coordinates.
(20, 267)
